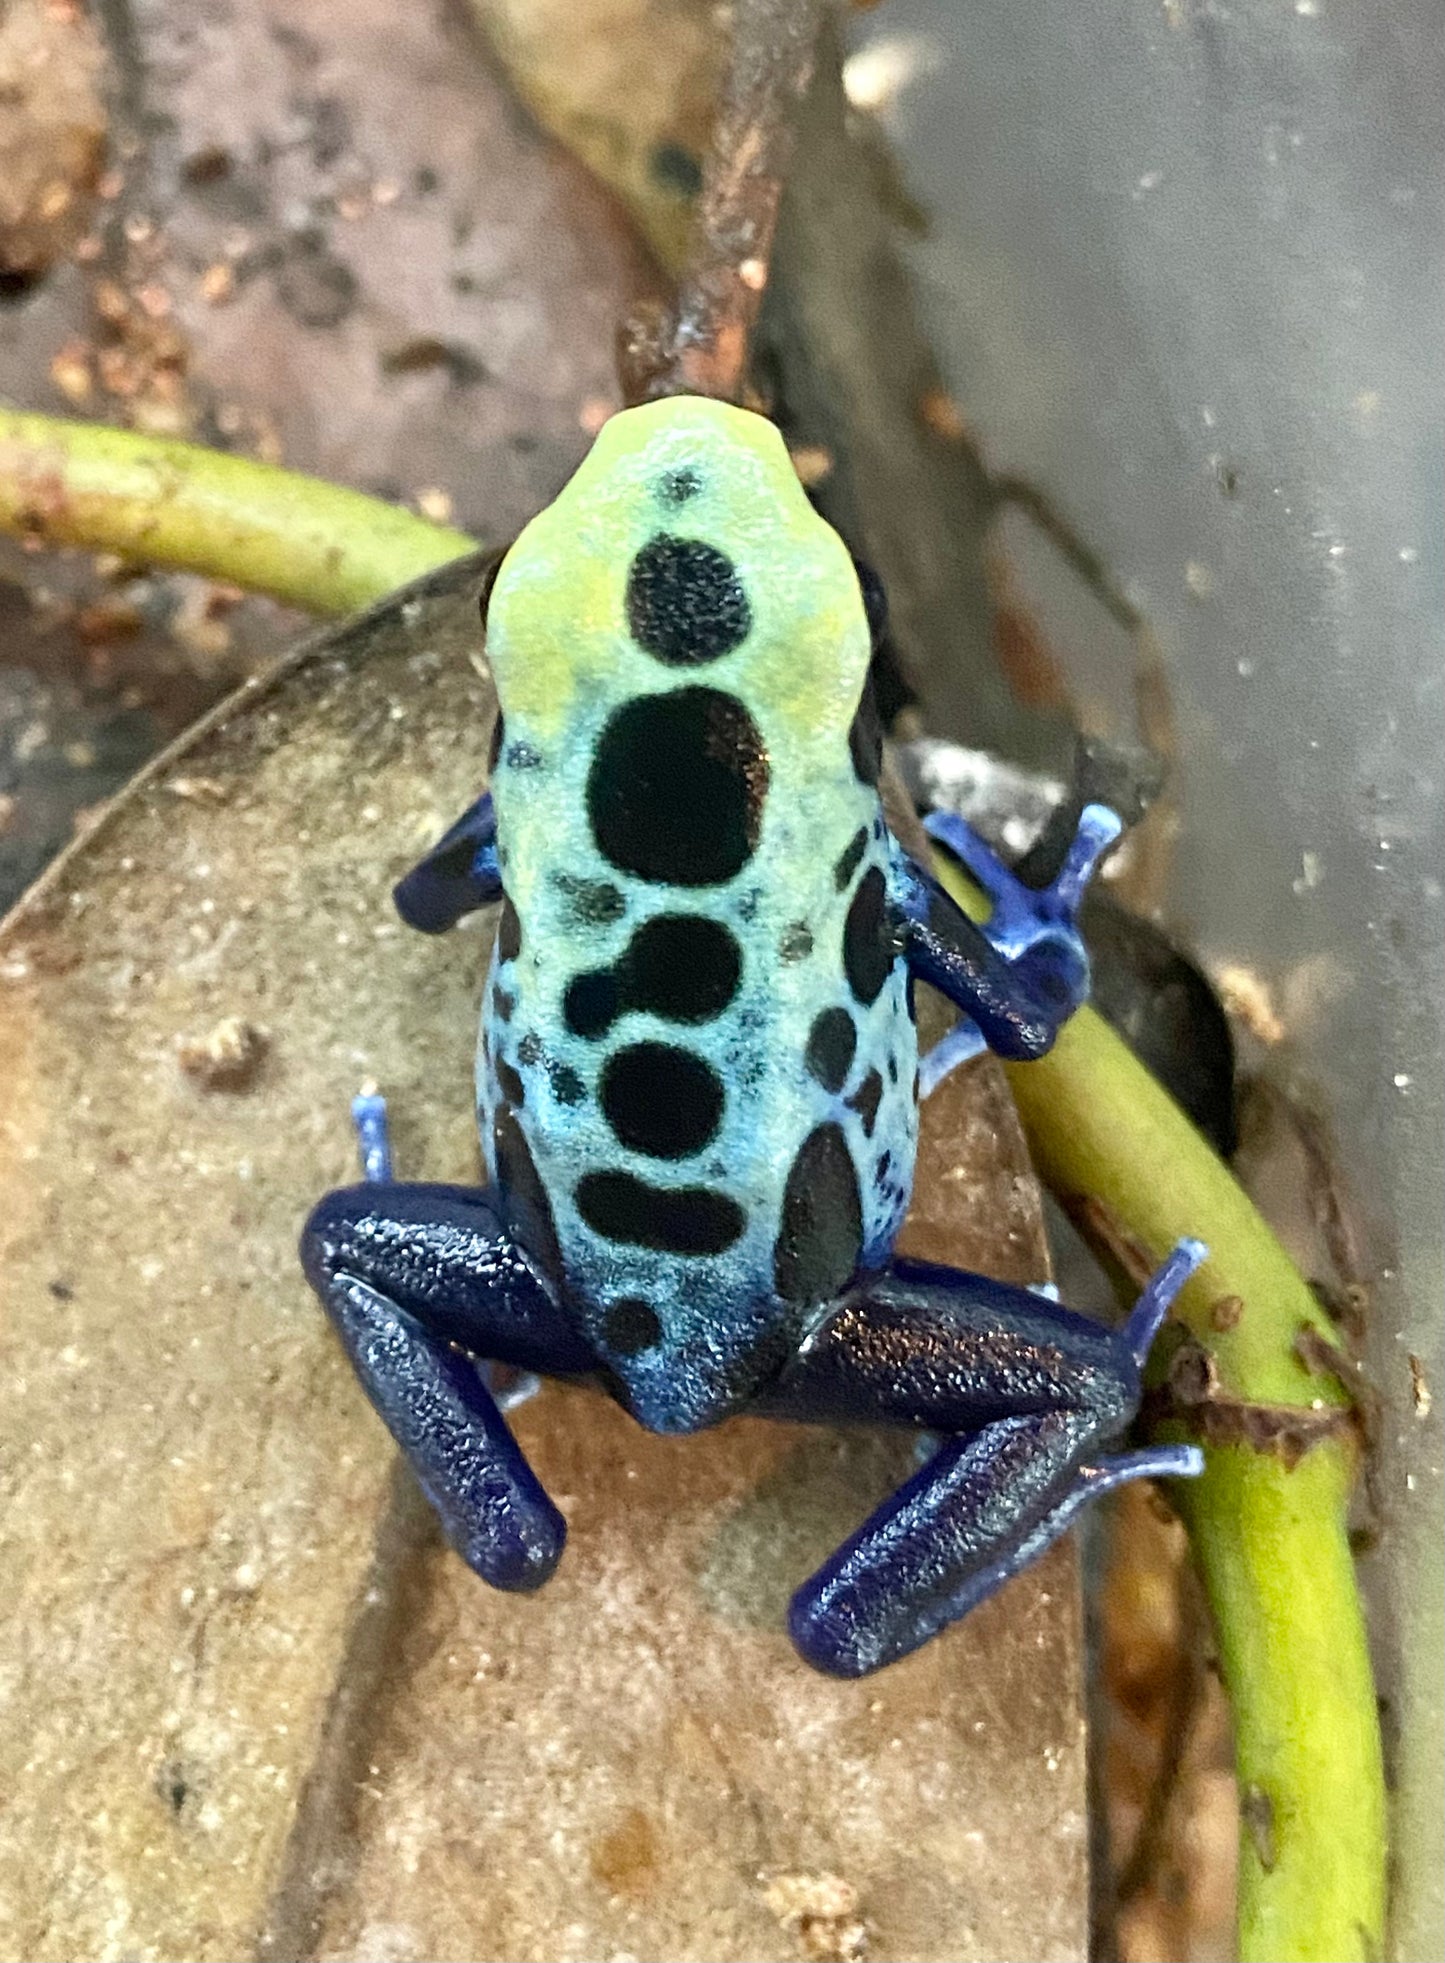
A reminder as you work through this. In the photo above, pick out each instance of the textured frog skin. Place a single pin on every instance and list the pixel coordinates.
(697, 1070)
(696, 1074)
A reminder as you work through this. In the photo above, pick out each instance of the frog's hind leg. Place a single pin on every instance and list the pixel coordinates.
(418, 1280)
(1029, 1396)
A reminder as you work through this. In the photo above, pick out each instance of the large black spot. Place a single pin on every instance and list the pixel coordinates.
(677, 785)
(852, 858)
(591, 1003)
(868, 945)
(684, 1220)
(865, 738)
(682, 966)
(631, 1326)
(831, 1042)
(822, 1227)
(685, 602)
(512, 1087)
(529, 1211)
(866, 1099)
(509, 931)
(661, 1100)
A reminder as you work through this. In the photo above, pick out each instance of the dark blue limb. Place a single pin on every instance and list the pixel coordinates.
(412, 1277)
(458, 875)
(1036, 972)
(1029, 1395)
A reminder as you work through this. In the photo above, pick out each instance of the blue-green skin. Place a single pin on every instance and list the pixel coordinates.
(564, 659)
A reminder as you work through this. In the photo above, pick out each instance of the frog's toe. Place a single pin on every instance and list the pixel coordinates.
(373, 1135)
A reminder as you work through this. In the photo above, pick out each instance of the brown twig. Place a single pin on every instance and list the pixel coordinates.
(703, 349)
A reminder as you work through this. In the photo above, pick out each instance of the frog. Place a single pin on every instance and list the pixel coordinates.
(698, 1073)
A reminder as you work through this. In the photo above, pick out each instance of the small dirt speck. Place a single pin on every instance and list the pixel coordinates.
(228, 1058)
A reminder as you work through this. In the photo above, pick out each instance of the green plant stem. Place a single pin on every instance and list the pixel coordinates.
(1272, 1543)
(166, 503)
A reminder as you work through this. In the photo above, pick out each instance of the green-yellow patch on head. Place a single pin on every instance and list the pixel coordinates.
(682, 549)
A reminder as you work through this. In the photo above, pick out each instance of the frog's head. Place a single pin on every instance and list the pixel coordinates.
(683, 550)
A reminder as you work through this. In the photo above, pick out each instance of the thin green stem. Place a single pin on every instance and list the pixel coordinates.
(1269, 1530)
(166, 503)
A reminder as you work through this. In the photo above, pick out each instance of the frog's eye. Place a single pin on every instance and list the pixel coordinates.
(875, 601)
(489, 580)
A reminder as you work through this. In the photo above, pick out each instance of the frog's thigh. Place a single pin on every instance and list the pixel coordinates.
(408, 1273)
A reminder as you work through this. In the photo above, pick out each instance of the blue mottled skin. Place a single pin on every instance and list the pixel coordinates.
(697, 1069)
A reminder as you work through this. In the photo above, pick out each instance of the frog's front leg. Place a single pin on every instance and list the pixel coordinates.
(1021, 974)
(412, 1276)
(1029, 1396)
(459, 874)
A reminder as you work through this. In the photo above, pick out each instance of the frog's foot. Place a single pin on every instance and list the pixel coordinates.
(1028, 1395)
(1033, 928)
(373, 1135)
(980, 1510)
(961, 1045)
(1022, 916)
(412, 1277)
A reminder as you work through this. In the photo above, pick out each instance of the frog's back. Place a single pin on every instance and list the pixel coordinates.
(696, 1080)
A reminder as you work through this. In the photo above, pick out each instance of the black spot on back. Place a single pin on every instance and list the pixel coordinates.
(661, 1100)
(822, 1225)
(631, 1326)
(567, 1086)
(688, 1220)
(685, 602)
(503, 1003)
(677, 486)
(529, 1212)
(831, 1043)
(797, 942)
(522, 756)
(494, 749)
(512, 1087)
(509, 931)
(866, 1099)
(591, 902)
(677, 785)
(865, 738)
(881, 1170)
(592, 1003)
(868, 947)
(852, 858)
(529, 1050)
(682, 966)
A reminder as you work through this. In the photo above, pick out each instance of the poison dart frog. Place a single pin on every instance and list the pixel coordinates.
(698, 1073)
